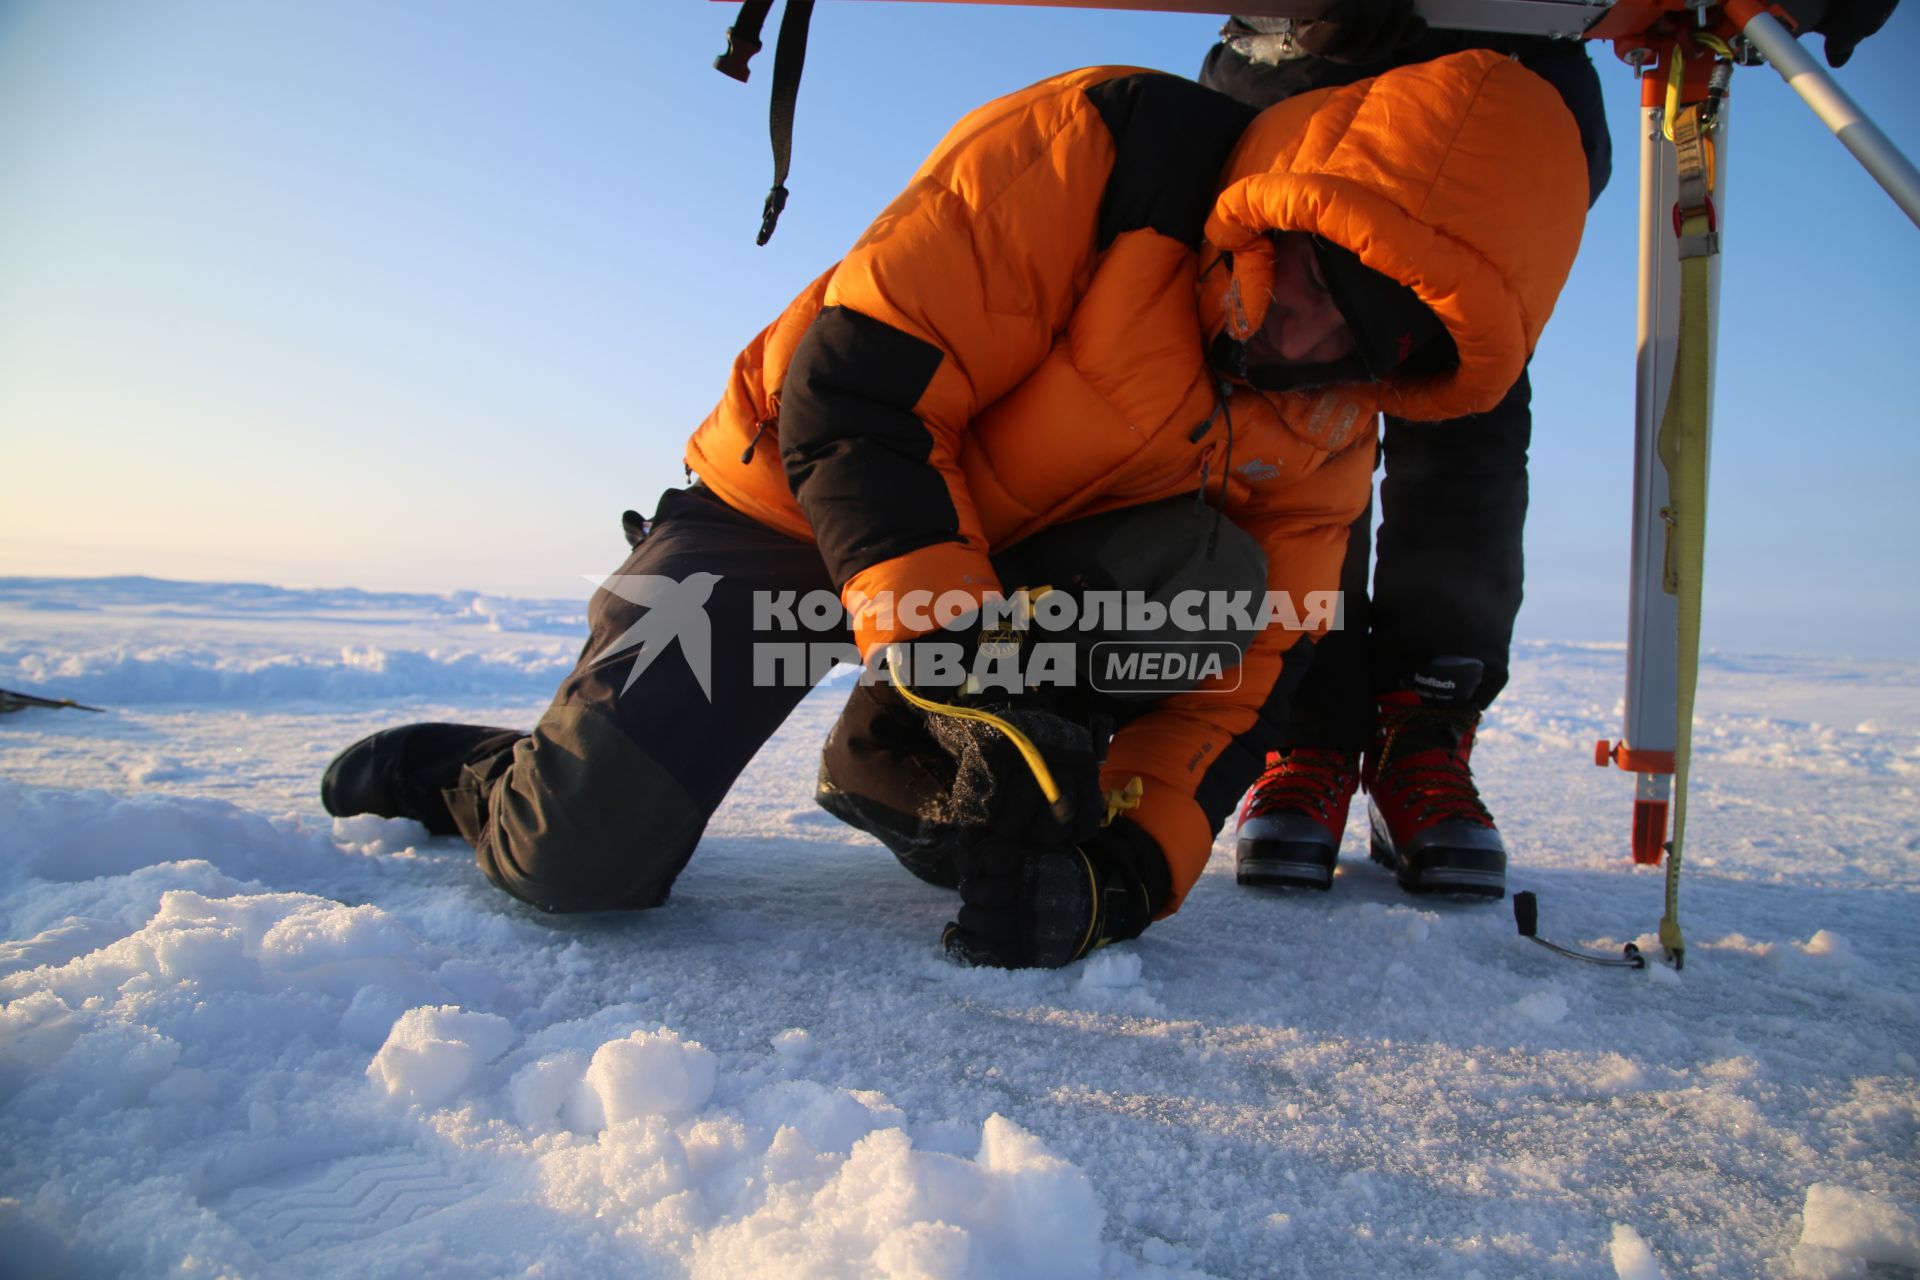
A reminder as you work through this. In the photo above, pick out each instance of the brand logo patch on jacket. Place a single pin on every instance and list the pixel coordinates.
(1258, 470)
(1332, 420)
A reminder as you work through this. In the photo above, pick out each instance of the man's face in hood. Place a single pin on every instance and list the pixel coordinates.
(1303, 325)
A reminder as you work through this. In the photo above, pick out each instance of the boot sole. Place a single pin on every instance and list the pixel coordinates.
(1472, 883)
(1270, 868)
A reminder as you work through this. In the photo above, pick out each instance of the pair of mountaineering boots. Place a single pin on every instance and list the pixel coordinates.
(1429, 826)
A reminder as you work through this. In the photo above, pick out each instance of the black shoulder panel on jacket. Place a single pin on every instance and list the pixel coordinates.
(1173, 138)
(854, 452)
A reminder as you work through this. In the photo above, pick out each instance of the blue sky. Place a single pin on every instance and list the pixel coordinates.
(422, 296)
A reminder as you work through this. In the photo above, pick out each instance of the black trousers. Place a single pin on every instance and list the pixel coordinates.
(1453, 503)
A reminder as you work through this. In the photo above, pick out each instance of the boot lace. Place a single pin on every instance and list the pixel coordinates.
(1305, 779)
(1431, 777)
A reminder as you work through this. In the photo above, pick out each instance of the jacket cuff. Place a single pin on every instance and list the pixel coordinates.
(1178, 830)
(895, 599)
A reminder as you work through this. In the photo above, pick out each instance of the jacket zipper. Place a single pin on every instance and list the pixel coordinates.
(772, 419)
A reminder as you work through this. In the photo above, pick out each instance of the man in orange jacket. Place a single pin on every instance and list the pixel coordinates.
(1392, 701)
(1120, 336)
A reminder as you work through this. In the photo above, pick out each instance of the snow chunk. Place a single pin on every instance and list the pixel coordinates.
(331, 931)
(650, 1073)
(434, 1050)
(636, 1170)
(539, 1090)
(1015, 1211)
(1110, 970)
(377, 836)
(923, 1251)
(795, 1044)
(1047, 1216)
(1830, 946)
(1632, 1259)
(829, 1119)
(1858, 1224)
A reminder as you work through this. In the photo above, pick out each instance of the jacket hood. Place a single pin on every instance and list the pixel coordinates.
(1462, 178)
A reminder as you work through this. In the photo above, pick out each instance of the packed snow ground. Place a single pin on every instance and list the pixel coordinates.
(240, 1038)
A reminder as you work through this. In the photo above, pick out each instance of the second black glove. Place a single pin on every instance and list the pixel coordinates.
(1027, 908)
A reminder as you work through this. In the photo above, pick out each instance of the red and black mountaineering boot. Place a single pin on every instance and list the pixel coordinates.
(1429, 826)
(1290, 825)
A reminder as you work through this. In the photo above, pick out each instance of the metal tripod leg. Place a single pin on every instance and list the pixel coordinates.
(1837, 111)
(1647, 746)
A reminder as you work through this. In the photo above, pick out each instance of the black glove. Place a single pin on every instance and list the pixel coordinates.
(1847, 22)
(1360, 31)
(996, 787)
(1041, 908)
(996, 790)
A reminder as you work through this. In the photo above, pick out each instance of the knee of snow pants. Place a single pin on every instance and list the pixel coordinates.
(583, 820)
(601, 807)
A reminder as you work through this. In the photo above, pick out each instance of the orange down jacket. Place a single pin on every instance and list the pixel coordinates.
(1021, 339)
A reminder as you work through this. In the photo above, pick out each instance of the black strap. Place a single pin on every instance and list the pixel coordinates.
(789, 56)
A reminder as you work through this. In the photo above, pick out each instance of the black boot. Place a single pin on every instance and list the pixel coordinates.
(882, 772)
(405, 772)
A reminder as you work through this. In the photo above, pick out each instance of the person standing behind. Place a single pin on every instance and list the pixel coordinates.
(1391, 701)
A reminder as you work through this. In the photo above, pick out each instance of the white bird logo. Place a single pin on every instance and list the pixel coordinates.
(675, 610)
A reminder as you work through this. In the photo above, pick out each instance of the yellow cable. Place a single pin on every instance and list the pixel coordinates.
(1028, 752)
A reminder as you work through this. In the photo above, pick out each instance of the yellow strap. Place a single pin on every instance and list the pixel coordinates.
(1683, 447)
(1676, 72)
(1022, 743)
(1120, 799)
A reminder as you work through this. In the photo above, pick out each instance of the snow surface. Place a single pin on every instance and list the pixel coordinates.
(239, 1038)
